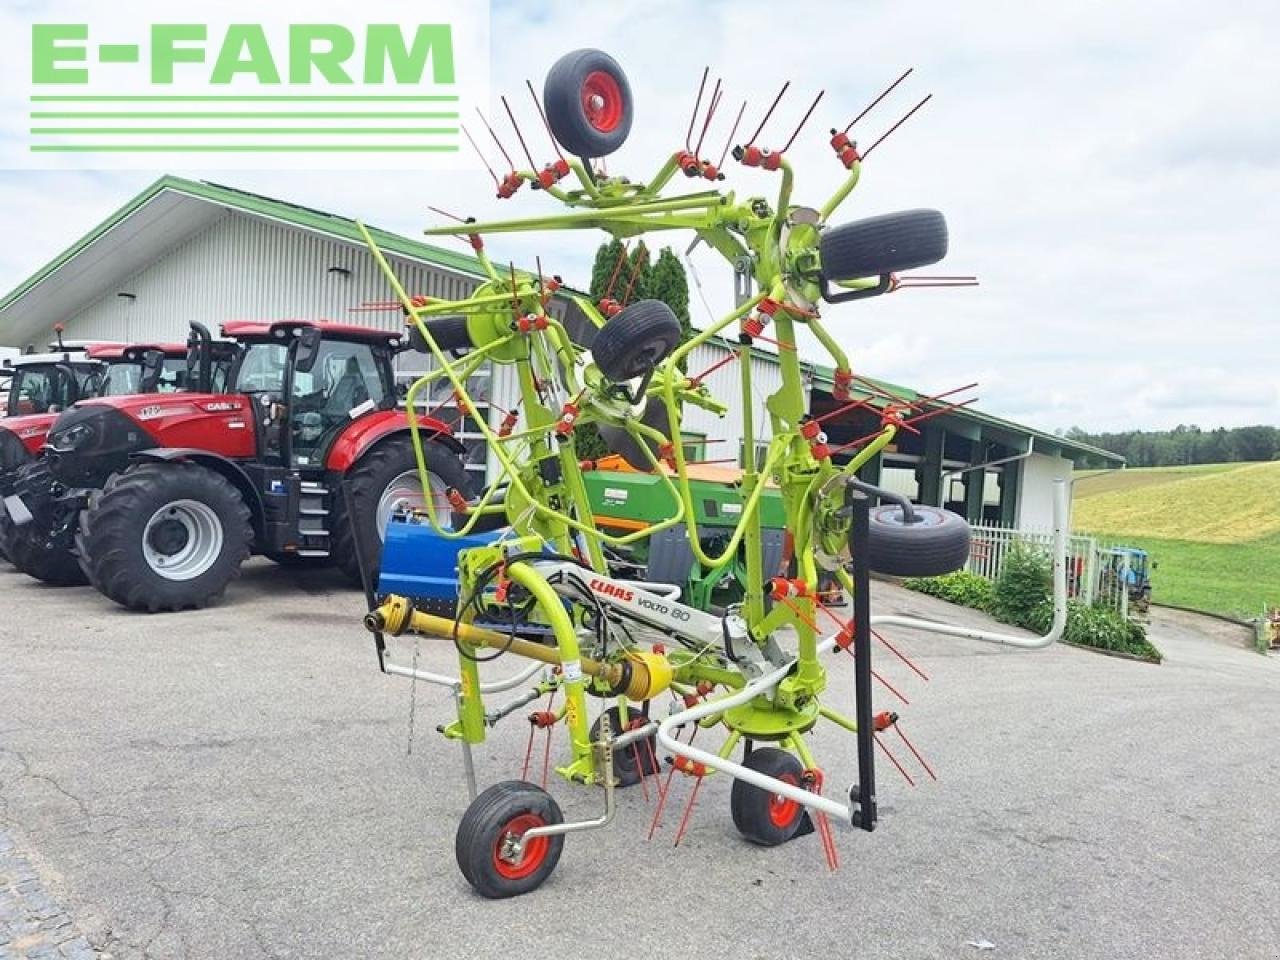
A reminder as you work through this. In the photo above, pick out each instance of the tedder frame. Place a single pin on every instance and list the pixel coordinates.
(543, 589)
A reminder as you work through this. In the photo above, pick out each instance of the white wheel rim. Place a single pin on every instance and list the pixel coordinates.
(182, 540)
(405, 493)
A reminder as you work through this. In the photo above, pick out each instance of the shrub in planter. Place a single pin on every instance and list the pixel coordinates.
(962, 587)
(1025, 582)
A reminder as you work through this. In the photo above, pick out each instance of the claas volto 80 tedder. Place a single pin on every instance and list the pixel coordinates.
(157, 501)
(543, 590)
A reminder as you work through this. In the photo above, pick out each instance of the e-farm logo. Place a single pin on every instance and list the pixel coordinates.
(292, 92)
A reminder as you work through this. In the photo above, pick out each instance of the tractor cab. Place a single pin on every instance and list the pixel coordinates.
(48, 382)
(309, 380)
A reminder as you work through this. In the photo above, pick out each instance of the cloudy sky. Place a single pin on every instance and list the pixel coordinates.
(1110, 171)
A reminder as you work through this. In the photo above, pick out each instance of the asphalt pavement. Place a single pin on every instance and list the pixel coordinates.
(235, 783)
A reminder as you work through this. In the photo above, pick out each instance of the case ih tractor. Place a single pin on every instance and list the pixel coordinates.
(159, 501)
(40, 386)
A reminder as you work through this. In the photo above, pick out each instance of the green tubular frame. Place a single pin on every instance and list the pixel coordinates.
(784, 257)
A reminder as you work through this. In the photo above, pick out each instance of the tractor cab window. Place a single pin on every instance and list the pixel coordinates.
(262, 369)
(345, 381)
(120, 380)
(38, 390)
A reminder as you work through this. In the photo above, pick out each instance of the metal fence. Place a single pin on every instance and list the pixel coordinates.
(1096, 573)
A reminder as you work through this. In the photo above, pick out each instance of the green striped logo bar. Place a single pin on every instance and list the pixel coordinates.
(369, 91)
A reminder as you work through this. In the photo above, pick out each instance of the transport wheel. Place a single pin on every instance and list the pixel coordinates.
(633, 342)
(884, 244)
(629, 763)
(937, 543)
(588, 103)
(762, 817)
(628, 447)
(449, 333)
(485, 844)
(382, 481)
(165, 536)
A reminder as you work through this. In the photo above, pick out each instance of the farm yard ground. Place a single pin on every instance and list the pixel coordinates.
(234, 783)
(1214, 530)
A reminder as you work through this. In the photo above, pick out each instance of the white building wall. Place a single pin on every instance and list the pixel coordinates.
(725, 384)
(1035, 498)
(248, 268)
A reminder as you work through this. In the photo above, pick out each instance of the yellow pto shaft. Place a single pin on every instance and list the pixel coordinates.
(641, 676)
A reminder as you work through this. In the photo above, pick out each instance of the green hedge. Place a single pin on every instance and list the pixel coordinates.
(1022, 596)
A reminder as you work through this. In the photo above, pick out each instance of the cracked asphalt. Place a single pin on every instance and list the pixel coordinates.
(234, 782)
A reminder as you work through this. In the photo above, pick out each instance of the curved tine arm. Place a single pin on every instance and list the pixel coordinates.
(1059, 594)
(737, 770)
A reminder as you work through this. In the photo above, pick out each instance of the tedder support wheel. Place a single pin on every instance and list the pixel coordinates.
(383, 480)
(588, 103)
(486, 842)
(633, 342)
(165, 536)
(633, 762)
(884, 244)
(936, 543)
(762, 817)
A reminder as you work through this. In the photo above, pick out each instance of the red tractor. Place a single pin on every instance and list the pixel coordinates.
(40, 386)
(159, 501)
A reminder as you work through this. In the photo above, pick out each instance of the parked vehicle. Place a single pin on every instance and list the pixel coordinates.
(41, 386)
(159, 502)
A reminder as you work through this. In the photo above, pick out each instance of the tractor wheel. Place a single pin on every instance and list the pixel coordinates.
(165, 536)
(48, 563)
(632, 343)
(633, 762)
(628, 447)
(937, 543)
(383, 480)
(763, 817)
(588, 103)
(6, 533)
(487, 834)
(884, 244)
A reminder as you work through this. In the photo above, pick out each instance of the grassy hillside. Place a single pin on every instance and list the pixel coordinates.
(1214, 529)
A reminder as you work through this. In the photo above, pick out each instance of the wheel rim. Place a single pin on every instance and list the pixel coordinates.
(182, 540)
(405, 493)
(506, 862)
(602, 101)
(783, 810)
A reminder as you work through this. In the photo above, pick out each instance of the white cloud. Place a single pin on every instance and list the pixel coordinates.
(1108, 170)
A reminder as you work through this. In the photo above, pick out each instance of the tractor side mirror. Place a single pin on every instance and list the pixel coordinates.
(308, 350)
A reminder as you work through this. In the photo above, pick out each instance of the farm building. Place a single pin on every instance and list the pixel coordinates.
(185, 250)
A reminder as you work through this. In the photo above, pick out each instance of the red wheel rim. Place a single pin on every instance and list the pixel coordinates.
(535, 851)
(602, 101)
(782, 810)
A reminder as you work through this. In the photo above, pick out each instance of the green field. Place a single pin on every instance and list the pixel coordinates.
(1214, 530)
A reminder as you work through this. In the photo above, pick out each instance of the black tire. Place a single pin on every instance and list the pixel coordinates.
(366, 482)
(633, 342)
(588, 103)
(30, 553)
(628, 447)
(629, 763)
(763, 817)
(13, 456)
(884, 244)
(117, 536)
(488, 821)
(449, 333)
(937, 543)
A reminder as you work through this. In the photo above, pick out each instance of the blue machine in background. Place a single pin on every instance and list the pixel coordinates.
(420, 564)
